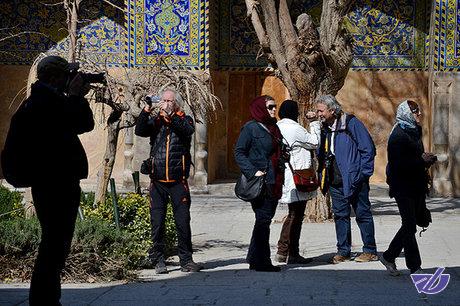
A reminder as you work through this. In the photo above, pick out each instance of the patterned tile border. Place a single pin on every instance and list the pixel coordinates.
(175, 30)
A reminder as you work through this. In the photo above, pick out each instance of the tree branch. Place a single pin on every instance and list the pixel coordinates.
(335, 42)
(115, 6)
(288, 33)
(276, 42)
(253, 13)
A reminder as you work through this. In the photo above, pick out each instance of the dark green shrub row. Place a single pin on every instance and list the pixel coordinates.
(100, 250)
(134, 217)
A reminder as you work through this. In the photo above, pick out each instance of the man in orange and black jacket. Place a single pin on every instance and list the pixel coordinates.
(170, 133)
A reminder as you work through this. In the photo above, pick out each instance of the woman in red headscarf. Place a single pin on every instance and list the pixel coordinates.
(257, 153)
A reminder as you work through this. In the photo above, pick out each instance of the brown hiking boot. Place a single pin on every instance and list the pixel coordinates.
(366, 257)
(339, 258)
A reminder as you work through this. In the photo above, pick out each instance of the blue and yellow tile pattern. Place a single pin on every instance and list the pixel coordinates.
(387, 34)
(173, 28)
(447, 35)
(103, 37)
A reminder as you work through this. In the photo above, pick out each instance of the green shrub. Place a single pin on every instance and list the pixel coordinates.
(19, 237)
(134, 217)
(102, 251)
(99, 251)
(10, 204)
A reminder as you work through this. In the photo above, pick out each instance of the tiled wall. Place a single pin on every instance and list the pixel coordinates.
(387, 34)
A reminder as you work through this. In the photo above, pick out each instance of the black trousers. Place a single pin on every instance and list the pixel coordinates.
(288, 244)
(179, 193)
(57, 207)
(259, 249)
(405, 237)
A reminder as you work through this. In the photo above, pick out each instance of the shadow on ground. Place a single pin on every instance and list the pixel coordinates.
(293, 286)
(388, 206)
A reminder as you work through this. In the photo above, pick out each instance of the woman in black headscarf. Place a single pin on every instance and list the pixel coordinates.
(257, 153)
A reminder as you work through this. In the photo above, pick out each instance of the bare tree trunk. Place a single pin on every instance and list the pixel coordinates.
(72, 8)
(104, 174)
(318, 209)
(310, 62)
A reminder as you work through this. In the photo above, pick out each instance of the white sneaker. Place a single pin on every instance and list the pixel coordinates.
(390, 266)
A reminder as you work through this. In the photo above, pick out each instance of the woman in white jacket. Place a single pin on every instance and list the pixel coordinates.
(301, 141)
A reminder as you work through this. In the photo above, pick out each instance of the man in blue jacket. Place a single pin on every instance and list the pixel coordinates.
(346, 161)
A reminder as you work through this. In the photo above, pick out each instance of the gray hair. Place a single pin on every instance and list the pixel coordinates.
(331, 103)
(177, 96)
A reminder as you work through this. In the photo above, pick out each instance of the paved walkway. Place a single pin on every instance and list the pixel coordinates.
(222, 227)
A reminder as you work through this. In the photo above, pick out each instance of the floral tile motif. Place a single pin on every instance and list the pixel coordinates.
(15, 16)
(174, 29)
(102, 33)
(388, 34)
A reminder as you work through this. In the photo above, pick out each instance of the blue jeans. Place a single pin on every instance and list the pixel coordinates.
(341, 207)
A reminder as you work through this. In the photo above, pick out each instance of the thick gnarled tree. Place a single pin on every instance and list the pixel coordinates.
(310, 60)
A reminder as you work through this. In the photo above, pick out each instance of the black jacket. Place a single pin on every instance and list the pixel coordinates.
(406, 169)
(170, 144)
(49, 147)
(253, 151)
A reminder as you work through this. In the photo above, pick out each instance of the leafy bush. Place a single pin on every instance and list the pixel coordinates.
(19, 237)
(134, 217)
(10, 204)
(100, 251)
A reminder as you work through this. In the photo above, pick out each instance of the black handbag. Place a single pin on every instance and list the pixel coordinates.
(250, 189)
(147, 165)
(423, 217)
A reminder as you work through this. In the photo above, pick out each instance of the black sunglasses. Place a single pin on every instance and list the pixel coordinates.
(271, 106)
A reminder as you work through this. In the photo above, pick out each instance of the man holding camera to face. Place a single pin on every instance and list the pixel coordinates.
(45, 133)
(170, 132)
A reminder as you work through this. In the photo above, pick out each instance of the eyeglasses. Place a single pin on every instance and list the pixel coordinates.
(416, 111)
(271, 106)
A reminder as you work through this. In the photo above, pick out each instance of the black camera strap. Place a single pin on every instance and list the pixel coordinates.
(279, 140)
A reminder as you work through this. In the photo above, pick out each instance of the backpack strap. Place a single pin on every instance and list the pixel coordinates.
(347, 131)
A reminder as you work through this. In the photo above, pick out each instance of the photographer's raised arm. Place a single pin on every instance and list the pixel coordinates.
(146, 126)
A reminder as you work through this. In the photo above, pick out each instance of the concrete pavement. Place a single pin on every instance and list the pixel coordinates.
(221, 227)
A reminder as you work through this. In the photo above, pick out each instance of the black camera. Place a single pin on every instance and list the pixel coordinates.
(91, 78)
(94, 77)
(329, 160)
(151, 99)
